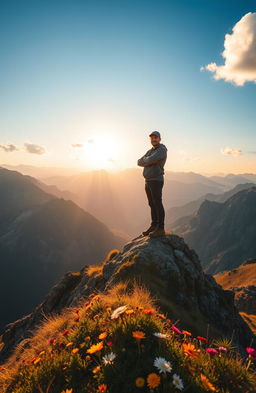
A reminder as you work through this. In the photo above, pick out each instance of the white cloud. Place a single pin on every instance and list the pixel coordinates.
(239, 53)
(34, 149)
(231, 151)
(9, 148)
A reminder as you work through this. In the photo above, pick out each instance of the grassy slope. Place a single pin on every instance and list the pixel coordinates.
(65, 365)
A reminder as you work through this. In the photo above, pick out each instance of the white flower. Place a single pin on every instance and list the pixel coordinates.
(177, 382)
(161, 335)
(118, 311)
(163, 365)
(109, 358)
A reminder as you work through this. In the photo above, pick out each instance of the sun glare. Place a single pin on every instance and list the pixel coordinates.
(100, 152)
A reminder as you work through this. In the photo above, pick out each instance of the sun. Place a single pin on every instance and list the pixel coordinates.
(100, 152)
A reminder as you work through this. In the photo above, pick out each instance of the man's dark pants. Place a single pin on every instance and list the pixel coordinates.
(153, 190)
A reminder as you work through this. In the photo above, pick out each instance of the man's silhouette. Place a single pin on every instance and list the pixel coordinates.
(153, 162)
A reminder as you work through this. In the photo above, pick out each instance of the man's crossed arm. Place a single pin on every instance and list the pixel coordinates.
(152, 159)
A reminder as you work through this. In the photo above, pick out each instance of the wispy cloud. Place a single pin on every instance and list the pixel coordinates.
(230, 151)
(8, 148)
(239, 53)
(34, 149)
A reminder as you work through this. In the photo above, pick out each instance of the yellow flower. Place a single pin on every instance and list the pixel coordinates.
(96, 370)
(190, 350)
(138, 335)
(96, 347)
(207, 384)
(102, 388)
(102, 335)
(140, 382)
(69, 344)
(75, 350)
(38, 360)
(129, 312)
(41, 353)
(153, 380)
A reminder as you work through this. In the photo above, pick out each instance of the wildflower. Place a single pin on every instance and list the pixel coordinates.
(128, 312)
(67, 391)
(37, 360)
(202, 339)
(76, 319)
(252, 352)
(65, 332)
(52, 340)
(75, 350)
(91, 295)
(190, 350)
(102, 335)
(185, 332)
(163, 365)
(175, 329)
(102, 388)
(207, 384)
(87, 357)
(162, 316)
(109, 358)
(222, 349)
(69, 344)
(153, 380)
(118, 311)
(177, 382)
(148, 311)
(109, 343)
(161, 335)
(139, 382)
(41, 353)
(212, 351)
(95, 348)
(86, 303)
(96, 369)
(138, 335)
(76, 310)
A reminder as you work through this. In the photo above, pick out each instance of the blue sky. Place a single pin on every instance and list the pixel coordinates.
(112, 71)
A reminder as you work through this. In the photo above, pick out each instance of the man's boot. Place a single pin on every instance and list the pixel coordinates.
(150, 229)
(157, 232)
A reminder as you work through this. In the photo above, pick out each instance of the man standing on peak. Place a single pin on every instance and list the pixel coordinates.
(153, 162)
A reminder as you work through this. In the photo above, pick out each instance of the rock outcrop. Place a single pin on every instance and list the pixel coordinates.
(168, 268)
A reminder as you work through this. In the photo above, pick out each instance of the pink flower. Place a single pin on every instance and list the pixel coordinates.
(251, 351)
(175, 329)
(222, 349)
(202, 338)
(212, 351)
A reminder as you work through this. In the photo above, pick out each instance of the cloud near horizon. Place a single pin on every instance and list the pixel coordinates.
(239, 53)
(230, 151)
(9, 147)
(34, 149)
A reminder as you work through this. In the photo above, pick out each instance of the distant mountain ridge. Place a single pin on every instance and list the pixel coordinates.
(223, 234)
(42, 237)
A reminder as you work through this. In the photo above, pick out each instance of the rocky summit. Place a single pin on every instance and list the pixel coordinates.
(168, 268)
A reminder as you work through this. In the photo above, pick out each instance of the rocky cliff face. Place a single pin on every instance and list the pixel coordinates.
(168, 268)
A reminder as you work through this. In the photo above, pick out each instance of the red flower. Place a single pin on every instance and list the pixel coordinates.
(202, 338)
(52, 341)
(212, 351)
(76, 310)
(76, 319)
(65, 332)
(109, 343)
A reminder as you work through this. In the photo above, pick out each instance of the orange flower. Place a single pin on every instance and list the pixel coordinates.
(140, 382)
(69, 344)
(207, 384)
(102, 388)
(138, 335)
(153, 380)
(96, 347)
(162, 316)
(96, 370)
(38, 360)
(148, 310)
(67, 391)
(103, 335)
(186, 332)
(190, 350)
(75, 350)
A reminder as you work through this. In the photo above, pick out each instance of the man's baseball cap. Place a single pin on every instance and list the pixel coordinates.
(155, 133)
